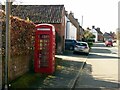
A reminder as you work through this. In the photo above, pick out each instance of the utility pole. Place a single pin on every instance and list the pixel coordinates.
(7, 47)
(82, 21)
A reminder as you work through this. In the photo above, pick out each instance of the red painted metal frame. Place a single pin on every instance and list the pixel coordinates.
(51, 57)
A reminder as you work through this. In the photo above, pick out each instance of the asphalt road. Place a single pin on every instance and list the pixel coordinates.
(101, 69)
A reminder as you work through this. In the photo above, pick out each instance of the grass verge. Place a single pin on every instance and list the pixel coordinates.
(31, 79)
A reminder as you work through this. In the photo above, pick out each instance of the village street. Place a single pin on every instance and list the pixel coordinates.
(101, 69)
(34, 40)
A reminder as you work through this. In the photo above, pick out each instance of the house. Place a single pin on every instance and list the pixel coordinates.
(110, 35)
(94, 32)
(81, 33)
(107, 36)
(71, 30)
(51, 14)
(113, 35)
(100, 34)
(75, 22)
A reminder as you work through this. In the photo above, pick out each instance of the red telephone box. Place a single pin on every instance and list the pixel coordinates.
(44, 53)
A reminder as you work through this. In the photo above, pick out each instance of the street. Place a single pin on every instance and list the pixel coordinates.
(101, 69)
(100, 72)
(34, 50)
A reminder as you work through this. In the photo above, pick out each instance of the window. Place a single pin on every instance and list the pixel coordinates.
(81, 44)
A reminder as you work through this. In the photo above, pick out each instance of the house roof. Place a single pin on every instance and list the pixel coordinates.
(106, 34)
(98, 31)
(112, 35)
(39, 13)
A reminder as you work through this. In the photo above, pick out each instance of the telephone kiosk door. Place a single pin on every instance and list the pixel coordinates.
(44, 53)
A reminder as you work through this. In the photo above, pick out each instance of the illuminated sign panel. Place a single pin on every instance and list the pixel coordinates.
(44, 29)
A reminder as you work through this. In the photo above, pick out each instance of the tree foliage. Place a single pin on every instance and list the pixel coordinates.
(22, 35)
(88, 34)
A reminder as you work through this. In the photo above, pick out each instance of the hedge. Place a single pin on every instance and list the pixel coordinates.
(22, 42)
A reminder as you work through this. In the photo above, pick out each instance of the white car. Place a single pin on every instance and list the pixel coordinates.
(81, 47)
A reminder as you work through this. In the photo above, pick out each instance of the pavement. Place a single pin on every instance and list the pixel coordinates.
(66, 75)
(68, 69)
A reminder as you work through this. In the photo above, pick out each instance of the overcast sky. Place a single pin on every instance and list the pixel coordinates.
(101, 13)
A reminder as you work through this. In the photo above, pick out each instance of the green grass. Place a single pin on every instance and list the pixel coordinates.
(27, 80)
(31, 79)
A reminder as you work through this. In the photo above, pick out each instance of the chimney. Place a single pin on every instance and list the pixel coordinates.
(72, 13)
(93, 27)
(66, 13)
(98, 29)
(76, 20)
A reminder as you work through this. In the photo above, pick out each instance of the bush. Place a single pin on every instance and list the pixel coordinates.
(90, 40)
(21, 44)
(90, 44)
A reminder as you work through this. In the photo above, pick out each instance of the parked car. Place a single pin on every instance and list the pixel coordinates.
(81, 47)
(108, 43)
(70, 44)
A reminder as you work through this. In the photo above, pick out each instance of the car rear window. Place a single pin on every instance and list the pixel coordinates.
(70, 41)
(109, 41)
(81, 44)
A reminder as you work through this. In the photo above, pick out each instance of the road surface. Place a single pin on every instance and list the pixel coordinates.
(101, 69)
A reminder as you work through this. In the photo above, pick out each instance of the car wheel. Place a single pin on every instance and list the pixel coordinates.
(87, 54)
(74, 52)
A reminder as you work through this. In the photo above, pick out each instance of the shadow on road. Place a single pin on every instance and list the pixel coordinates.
(95, 50)
(98, 45)
(70, 53)
(91, 55)
(88, 82)
(102, 45)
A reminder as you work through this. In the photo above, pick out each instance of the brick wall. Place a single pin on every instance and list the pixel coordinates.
(100, 37)
(22, 33)
(60, 29)
(18, 66)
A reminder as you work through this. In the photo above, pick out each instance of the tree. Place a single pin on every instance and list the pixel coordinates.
(88, 34)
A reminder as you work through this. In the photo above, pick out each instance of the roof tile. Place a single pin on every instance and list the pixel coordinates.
(39, 13)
